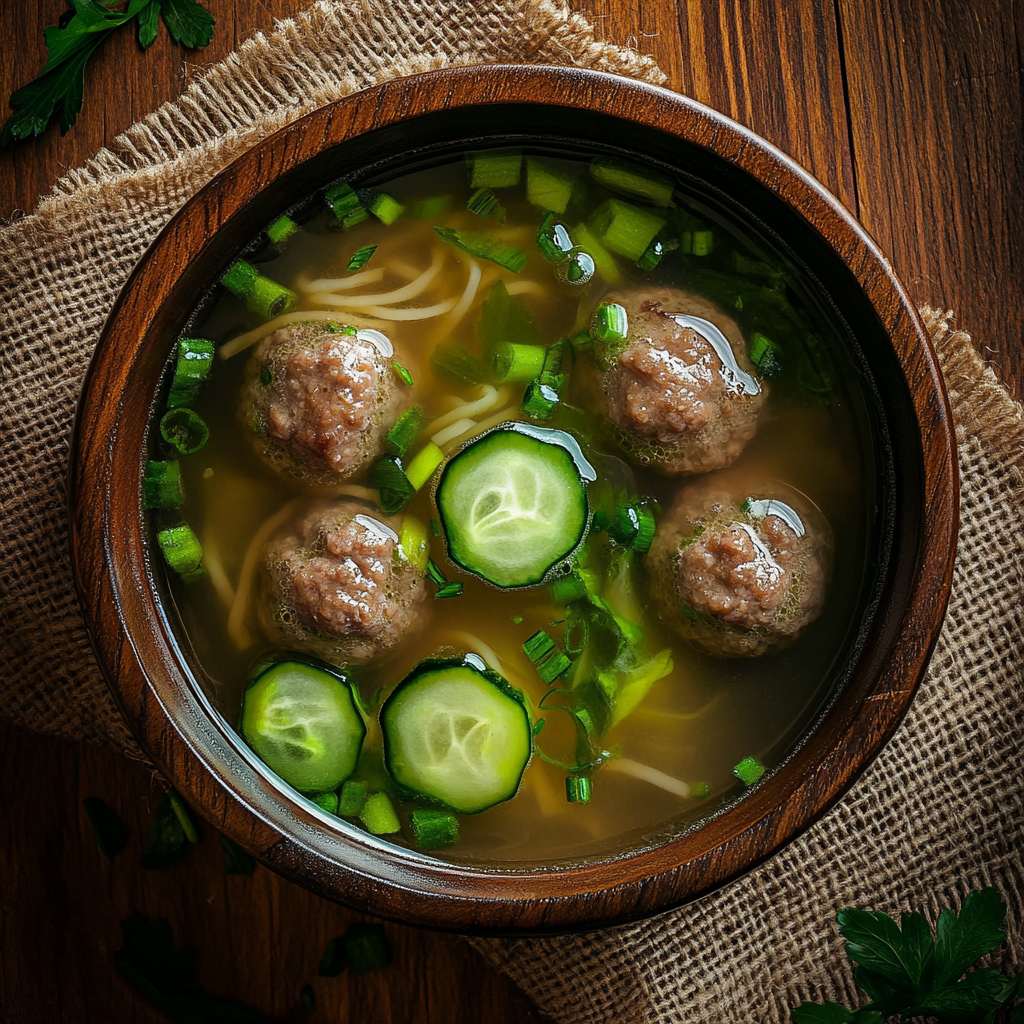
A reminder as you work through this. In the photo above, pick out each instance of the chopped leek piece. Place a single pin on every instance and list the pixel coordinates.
(623, 176)
(450, 589)
(342, 199)
(545, 657)
(361, 257)
(385, 208)
(577, 268)
(700, 790)
(434, 829)
(749, 770)
(503, 318)
(378, 815)
(458, 365)
(553, 239)
(540, 400)
(655, 252)
(519, 363)
(484, 248)
(355, 217)
(181, 550)
(567, 589)
(609, 330)
(495, 168)
(604, 261)
(434, 574)
(624, 228)
(262, 296)
(577, 789)
(402, 373)
(484, 203)
(281, 230)
(325, 801)
(633, 526)
(353, 796)
(393, 487)
(548, 186)
(702, 243)
(184, 430)
(765, 355)
(429, 208)
(161, 486)
(423, 465)
(413, 543)
(401, 437)
(365, 947)
(195, 358)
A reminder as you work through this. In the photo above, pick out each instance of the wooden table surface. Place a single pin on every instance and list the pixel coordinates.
(910, 111)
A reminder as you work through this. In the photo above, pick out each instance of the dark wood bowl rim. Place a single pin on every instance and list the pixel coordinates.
(170, 721)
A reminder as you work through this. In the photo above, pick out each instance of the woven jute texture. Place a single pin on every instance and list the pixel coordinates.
(940, 812)
(62, 267)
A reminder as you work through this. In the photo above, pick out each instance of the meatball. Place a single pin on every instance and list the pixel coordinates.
(319, 400)
(740, 572)
(681, 392)
(336, 585)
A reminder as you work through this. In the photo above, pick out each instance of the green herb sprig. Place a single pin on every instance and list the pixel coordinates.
(59, 88)
(908, 974)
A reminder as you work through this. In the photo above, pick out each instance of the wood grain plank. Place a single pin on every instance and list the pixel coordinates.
(938, 125)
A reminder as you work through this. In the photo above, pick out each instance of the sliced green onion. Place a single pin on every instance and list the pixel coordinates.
(402, 374)
(604, 261)
(181, 812)
(263, 296)
(700, 791)
(451, 589)
(361, 257)
(458, 365)
(545, 656)
(549, 186)
(355, 218)
(326, 801)
(749, 770)
(484, 248)
(765, 355)
(553, 239)
(577, 789)
(353, 796)
(195, 358)
(703, 242)
(622, 176)
(519, 363)
(307, 999)
(423, 465)
(435, 575)
(402, 436)
(484, 203)
(393, 487)
(577, 268)
(181, 550)
(161, 486)
(625, 228)
(365, 947)
(495, 168)
(633, 526)
(414, 543)
(281, 230)
(385, 208)
(432, 829)
(378, 815)
(429, 208)
(540, 400)
(655, 252)
(342, 199)
(611, 323)
(184, 430)
(567, 589)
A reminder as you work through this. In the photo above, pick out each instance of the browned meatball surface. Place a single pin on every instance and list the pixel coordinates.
(336, 584)
(319, 401)
(738, 573)
(682, 396)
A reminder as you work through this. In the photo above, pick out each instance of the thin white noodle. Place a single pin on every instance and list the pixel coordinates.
(403, 294)
(402, 269)
(489, 398)
(525, 288)
(508, 413)
(457, 428)
(339, 284)
(244, 341)
(409, 313)
(477, 646)
(468, 295)
(215, 570)
(236, 617)
(647, 774)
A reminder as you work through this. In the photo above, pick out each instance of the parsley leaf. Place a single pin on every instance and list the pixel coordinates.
(188, 21)
(149, 23)
(961, 939)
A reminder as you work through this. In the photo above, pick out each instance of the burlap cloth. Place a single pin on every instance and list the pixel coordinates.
(941, 811)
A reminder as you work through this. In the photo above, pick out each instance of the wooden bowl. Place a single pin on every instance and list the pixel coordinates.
(199, 752)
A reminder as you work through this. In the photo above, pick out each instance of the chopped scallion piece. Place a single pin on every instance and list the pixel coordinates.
(577, 268)
(484, 203)
(355, 218)
(385, 208)
(604, 261)
(623, 176)
(453, 589)
(423, 465)
(184, 430)
(413, 543)
(402, 374)
(749, 770)
(353, 796)
(434, 830)
(495, 168)
(625, 228)
(581, 341)
(765, 355)
(402, 436)
(577, 789)
(181, 812)
(567, 589)
(702, 243)
(366, 948)
(458, 365)
(342, 199)
(195, 358)
(435, 575)
(548, 186)
(429, 208)
(633, 526)
(545, 657)
(553, 239)
(540, 400)
(519, 363)
(608, 331)
(700, 791)
(655, 252)
(281, 230)
(182, 551)
(484, 248)
(262, 296)
(393, 487)
(361, 257)
(325, 801)
(378, 815)
(161, 486)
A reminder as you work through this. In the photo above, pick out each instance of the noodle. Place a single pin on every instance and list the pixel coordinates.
(413, 313)
(525, 288)
(403, 294)
(332, 284)
(490, 397)
(215, 570)
(244, 341)
(468, 295)
(647, 774)
(510, 412)
(450, 433)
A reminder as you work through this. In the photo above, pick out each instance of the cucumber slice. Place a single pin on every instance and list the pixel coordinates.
(513, 503)
(303, 723)
(456, 735)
